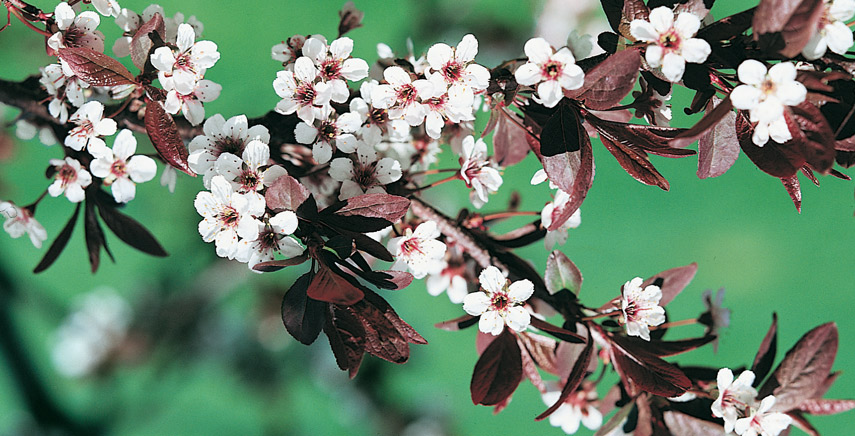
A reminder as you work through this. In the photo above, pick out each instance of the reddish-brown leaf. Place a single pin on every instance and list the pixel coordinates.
(642, 371)
(574, 379)
(610, 81)
(562, 273)
(779, 160)
(95, 68)
(141, 42)
(303, 316)
(635, 163)
(498, 371)
(346, 337)
(804, 368)
(718, 148)
(164, 136)
(687, 425)
(286, 193)
(509, 142)
(332, 288)
(672, 281)
(766, 353)
(388, 207)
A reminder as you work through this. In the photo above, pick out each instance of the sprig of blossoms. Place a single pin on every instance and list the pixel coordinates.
(499, 302)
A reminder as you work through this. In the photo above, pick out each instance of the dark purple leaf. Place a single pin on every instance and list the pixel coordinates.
(635, 163)
(382, 338)
(286, 193)
(346, 337)
(562, 273)
(164, 136)
(276, 265)
(498, 371)
(333, 288)
(791, 184)
(509, 142)
(59, 243)
(141, 42)
(779, 160)
(574, 379)
(718, 148)
(672, 281)
(303, 316)
(766, 354)
(558, 332)
(642, 371)
(388, 207)
(804, 368)
(687, 425)
(95, 68)
(610, 81)
(130, 231)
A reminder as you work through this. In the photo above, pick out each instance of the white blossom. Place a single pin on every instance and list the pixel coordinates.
(19, 221)
(91, 124)
(228, 216)
(764, 94)
(70, 179)
(640, 308)
(182, 69)
(762, 422)
(671, 41)
(420, 250)
(734, 397)
(478, 173)
(499, 303)
(551, 71)
(121, 170)
(366, 175)
(832, 33)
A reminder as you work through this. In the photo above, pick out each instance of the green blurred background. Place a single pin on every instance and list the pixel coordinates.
(219, 361)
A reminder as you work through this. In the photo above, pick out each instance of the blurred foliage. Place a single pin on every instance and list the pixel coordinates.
(215, 358)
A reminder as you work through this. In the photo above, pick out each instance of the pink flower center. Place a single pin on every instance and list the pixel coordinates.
(330, 69)
(305, 94)
(406, 94)
(67, 175)
(551, 70)
(670, 40)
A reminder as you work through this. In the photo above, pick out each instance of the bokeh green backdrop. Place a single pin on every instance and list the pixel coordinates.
(741, 228)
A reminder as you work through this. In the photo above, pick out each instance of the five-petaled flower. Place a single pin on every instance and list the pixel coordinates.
(419, 250)
(735, 397)
(764, 95)
(120, 169)
(499, 302)
(671, 41)
(181, 70)
(763, 422)
(551, 71)
(640, 308)
(70, 178)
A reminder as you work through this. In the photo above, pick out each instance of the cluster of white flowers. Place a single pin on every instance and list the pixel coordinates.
(737, 405)
(764, 94)
(234, 160)
(640, 308)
